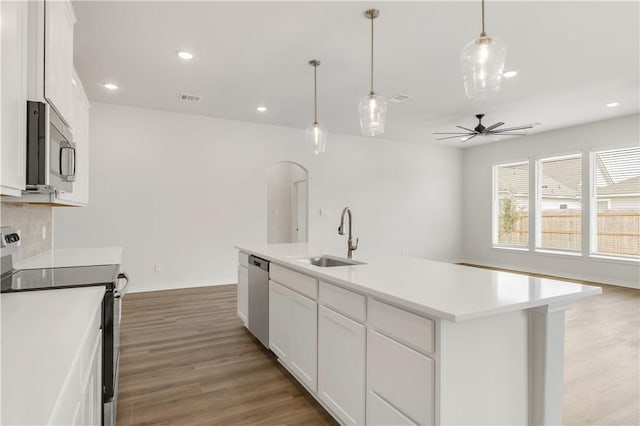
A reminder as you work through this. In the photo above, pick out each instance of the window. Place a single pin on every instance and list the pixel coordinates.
(615, 224)
(511, 205)
(559, 201)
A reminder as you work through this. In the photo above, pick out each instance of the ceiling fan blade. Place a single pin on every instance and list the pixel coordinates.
(508, 129)
(438, 133)
(453, 137)
(509, 134)
(469, 138)
(468, 130)
(493, 126)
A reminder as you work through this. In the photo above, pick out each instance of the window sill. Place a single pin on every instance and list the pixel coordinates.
(614, 259)
(558, 253)
(510, 248)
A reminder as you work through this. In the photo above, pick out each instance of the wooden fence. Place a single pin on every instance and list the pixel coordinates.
(618, 231)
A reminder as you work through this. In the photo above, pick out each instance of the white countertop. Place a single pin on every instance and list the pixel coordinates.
(444, 290)
(62, 258)
(41, 333)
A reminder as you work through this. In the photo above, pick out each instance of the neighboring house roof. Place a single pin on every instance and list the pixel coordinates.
(624, 188)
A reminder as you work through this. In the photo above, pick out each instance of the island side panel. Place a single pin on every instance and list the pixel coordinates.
(546, 345)
(484, 376)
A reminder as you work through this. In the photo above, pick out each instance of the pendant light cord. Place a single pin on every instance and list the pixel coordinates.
(371, 93)
(315, 94)
(483, 33)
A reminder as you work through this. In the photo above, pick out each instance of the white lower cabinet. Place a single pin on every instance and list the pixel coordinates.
(293, 325)
(279, 320)
(400, 383)
(341, 365)
(243, 294)
(304, 339)
(80, 400)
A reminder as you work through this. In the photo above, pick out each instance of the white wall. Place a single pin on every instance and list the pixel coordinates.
(179, 190)
(478, 162)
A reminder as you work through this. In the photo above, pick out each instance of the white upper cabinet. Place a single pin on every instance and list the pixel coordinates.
(58, 68)
(80, 129)
(13, 70)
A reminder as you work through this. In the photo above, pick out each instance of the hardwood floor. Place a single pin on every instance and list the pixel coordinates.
(187, 360)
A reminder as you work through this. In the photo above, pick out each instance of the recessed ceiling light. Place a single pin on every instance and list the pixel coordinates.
(613, 104)
(185, 55)
(110, 86)
(510, 74)
(261, 108)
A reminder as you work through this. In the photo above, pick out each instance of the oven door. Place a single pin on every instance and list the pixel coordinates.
(62, 154)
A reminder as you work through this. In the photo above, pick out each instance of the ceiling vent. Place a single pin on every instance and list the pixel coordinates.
(192, 98)
(399, 98)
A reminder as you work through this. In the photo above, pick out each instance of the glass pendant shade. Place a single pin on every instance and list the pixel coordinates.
(373, 114)
(316, 136)
(482, 63)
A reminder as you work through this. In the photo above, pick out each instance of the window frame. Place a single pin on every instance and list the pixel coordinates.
(591, 251)
(537, 221)
(495, 200)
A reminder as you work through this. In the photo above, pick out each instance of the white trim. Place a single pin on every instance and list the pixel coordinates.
(522, 249)
(600, 257)
(143, 288)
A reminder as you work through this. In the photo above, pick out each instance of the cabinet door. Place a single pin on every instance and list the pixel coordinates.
(402, 378)
(13, 109)
(80, 130)
(58, 88)
(341, 365)
(91, 393)
(279, 314)
(304, 339)
(243, 294)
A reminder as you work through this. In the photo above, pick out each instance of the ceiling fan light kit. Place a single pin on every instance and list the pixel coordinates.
(482, 63)
(316, 134)
(372, 108)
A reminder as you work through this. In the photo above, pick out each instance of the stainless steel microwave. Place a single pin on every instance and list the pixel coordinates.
(51, 153)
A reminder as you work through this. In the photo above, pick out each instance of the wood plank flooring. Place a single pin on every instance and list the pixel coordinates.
(187, 360)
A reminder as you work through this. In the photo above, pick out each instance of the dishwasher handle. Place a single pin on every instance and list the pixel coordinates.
(259, 263)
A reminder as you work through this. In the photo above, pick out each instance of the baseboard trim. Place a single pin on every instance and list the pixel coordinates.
(588, 279)
(143, 288)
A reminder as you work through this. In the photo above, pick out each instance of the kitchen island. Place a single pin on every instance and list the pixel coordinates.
(399, 340)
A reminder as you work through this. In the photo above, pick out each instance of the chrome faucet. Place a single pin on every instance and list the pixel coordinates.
(350, 246)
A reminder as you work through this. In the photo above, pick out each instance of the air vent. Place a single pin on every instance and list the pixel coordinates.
(399, 98)
(192, 98)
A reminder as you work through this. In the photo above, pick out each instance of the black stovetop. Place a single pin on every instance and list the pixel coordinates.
(55, 278)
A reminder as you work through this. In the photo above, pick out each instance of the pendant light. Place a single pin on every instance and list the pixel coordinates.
(373, 108)
(316, 134)
(482, 63)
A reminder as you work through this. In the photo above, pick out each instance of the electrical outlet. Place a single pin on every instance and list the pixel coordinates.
(19, 232)
(405, 251)
(157, 267)
(44, 232)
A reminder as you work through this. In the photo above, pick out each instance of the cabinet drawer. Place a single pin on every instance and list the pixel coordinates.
(380, 412)
(405, 326)
(401, 376)
(301, 283)
(344, 301)
(243, 259)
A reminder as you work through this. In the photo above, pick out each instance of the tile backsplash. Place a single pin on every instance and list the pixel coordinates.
(29, 220)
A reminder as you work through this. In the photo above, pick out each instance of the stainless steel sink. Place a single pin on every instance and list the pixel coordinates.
(326, 261)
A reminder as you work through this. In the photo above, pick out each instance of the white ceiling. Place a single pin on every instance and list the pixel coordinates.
(572, 58)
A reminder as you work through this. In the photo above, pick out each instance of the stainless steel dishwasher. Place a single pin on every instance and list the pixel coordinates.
(259, 299)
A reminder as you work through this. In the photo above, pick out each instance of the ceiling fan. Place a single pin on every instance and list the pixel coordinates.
(481, 130)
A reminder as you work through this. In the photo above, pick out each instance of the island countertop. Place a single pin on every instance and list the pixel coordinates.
(444, 290)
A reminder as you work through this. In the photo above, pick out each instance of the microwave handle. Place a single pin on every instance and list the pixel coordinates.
(72, 168)
(73, 175)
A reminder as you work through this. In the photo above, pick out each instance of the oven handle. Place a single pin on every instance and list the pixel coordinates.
(122, 276)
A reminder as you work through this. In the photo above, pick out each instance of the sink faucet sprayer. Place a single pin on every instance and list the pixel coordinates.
(350, 246)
